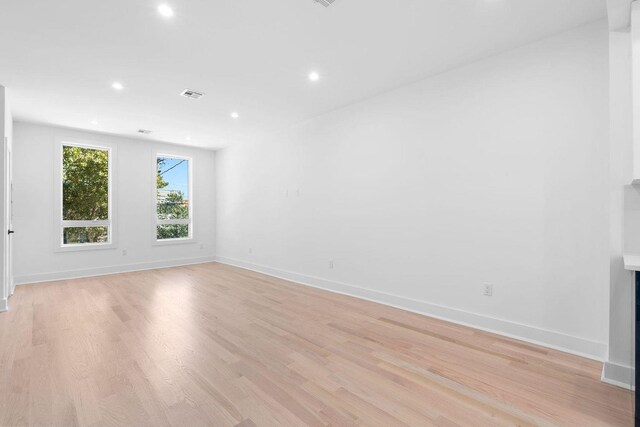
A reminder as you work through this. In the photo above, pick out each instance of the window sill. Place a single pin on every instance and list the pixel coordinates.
(85, 247)
(169, 242)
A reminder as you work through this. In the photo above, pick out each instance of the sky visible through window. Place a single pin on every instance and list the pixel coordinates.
(176, 173)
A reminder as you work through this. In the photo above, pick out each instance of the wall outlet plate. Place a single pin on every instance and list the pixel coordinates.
(487, 290)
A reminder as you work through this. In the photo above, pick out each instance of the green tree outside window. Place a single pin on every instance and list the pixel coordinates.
(85, 193)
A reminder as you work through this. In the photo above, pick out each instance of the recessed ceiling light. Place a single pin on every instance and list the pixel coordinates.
(165, 10)
(235, 115)
(94, 122)
(188, 138)
(314, 76)
(117, 86)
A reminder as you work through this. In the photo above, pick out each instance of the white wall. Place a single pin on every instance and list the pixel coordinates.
(617, 369)
(34, 257)
(635, 87)
(631, 82)
(496, 172)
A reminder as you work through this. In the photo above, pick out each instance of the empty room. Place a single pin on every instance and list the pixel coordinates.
(319, 212)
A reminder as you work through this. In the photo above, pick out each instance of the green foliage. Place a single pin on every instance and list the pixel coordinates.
(85, 192)
(172, 206)
(173, 231)
(76, 235)
(85, 184)
(160, 182)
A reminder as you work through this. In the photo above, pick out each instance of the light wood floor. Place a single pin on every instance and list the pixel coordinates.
(216, 345)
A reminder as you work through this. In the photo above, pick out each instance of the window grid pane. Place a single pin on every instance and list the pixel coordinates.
(173, 231)
(173, 202)
(85, 196)
(85, 184)
(81, 235)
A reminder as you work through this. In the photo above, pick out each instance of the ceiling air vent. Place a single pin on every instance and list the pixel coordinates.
(193, 94)
(325, 3)
(144, 131)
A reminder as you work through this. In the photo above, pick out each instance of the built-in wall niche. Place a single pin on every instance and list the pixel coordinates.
(635, 46)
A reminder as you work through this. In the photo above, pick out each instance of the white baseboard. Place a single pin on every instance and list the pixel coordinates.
(102, 271)
(551, 339)
(618, 375)
(4, 306)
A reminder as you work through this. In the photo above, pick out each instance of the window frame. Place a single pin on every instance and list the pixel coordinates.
(60, 223)
(154, 199)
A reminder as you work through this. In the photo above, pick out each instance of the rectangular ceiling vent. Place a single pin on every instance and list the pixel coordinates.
(144, 131)
(325, 3)
(193, 94)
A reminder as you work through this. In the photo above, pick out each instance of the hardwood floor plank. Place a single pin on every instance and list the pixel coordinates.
(215, 345)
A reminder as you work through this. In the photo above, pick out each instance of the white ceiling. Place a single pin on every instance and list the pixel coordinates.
(59, 58)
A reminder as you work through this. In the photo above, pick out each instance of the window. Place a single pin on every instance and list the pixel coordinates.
(174, 198)
(85, 196)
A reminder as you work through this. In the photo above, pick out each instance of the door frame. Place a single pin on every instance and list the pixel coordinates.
(8, 248)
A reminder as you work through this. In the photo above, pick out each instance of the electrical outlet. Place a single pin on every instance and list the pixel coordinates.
(330, 263)
(124, 252)
(487, 290)
(201, 246)
(250, 250)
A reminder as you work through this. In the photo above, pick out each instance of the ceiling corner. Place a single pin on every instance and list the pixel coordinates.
(619, 14)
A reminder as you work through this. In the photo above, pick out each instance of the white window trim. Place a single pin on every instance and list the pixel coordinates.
(154, 199)
(59, 223)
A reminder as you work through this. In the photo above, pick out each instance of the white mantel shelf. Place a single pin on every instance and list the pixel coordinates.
(632, 262)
